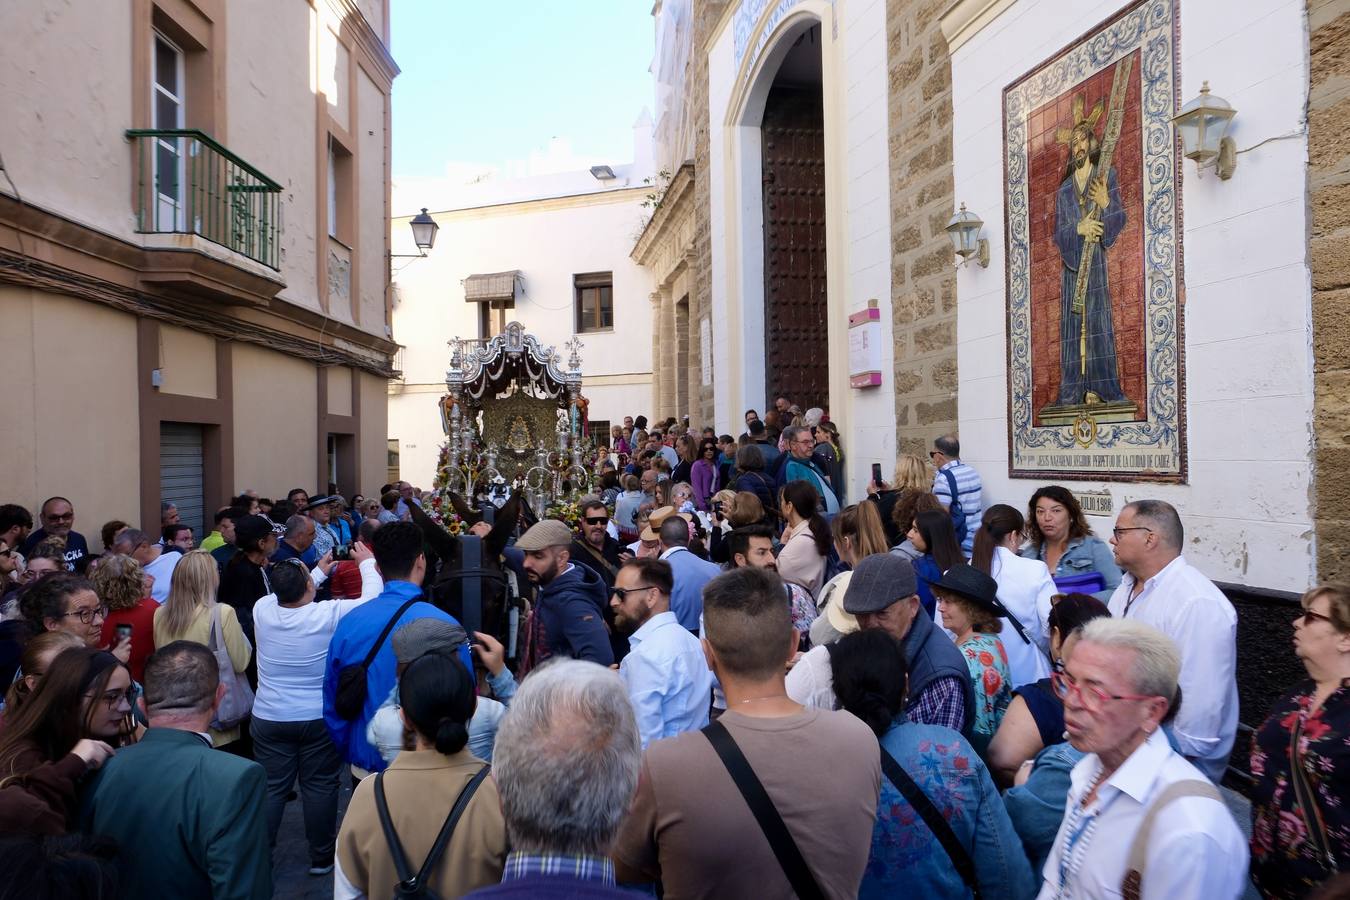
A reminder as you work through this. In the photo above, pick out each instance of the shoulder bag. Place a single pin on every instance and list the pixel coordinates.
(238, 700)
(412, 884)
(1132, 886)
(350, 697)
(785, 849)
(942, 830)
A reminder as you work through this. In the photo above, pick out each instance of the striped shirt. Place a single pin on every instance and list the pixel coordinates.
(970, 489)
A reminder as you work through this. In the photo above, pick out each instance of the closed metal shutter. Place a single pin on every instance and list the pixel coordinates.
(180, 473)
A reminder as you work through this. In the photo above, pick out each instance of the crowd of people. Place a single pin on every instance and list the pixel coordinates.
(726, 679)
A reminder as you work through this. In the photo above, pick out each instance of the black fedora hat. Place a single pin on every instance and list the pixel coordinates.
(971, 584)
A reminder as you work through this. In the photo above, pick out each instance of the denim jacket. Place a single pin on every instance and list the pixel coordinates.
(906, 858)
(1036, 807)
(1084, 555)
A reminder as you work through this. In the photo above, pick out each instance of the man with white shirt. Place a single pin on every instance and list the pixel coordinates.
(665, 671)
(157, 561)
(1161, 589)
(1134, 805)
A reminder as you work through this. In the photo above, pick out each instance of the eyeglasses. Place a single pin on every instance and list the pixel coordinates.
(624, 592)
(932, 454)
(62, 517)
(1089, 697)
(1117, 532)
(87, 616)
(112, 698)
(1308, 617)
(597, 520)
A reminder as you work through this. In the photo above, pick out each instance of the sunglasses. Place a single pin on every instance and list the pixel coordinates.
(597, 520)
(1308, 617)
(622, 593)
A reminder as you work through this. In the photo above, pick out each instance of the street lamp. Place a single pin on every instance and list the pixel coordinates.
(1203, 126)
(424, 230)
(964, 231)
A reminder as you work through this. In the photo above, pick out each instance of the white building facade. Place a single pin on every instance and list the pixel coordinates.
(551, 252)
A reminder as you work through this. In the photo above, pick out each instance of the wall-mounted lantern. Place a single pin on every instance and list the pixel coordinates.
(1203, 126)
(964, 231)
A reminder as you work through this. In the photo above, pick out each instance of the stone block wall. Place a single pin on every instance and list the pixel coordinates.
(1329, 253)
(923, 280)
(706, 15)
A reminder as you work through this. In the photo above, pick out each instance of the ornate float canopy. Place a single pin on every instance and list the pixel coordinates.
(480, 370)
(513, 417)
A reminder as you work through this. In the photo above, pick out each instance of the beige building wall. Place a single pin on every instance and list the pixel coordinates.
(274, 410)
(267, 354)
(71, 430)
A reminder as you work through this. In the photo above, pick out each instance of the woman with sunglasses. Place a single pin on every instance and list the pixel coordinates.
(79, 712)
(704, 475)
(1300, 821)
(191, 613)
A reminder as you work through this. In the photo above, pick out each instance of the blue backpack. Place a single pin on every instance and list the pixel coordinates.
(957, 511)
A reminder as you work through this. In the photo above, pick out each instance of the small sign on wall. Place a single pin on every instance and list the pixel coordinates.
(864, 347)
(1095, 503)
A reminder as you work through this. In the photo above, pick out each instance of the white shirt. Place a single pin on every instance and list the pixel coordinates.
(811, 681)
(1195, 851)
(667, 677)
(161, 567)
(293, 649)
(1025, 587)
(1186, 606)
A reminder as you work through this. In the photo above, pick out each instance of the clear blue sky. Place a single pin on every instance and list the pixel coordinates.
(486, 82)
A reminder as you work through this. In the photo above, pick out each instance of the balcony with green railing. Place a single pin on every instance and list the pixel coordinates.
(186, 183)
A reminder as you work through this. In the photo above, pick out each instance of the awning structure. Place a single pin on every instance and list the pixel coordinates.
(496, 287)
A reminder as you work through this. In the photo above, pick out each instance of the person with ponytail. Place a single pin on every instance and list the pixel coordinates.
(420, 789)
(1024, 587)
(806, 537)
(870, 681)
(858, 533)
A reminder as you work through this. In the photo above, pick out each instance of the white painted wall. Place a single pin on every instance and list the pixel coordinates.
(1247, 284)
(549, 241)
(855, 83)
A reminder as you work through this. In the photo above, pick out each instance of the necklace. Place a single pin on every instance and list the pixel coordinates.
(768, 697)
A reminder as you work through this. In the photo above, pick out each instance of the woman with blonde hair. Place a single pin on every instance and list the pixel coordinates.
(124, 587)
(857, 534)
(37, 658)
(913, 475)
(191, 613)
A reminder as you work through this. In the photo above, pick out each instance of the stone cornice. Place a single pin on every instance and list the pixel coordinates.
(964, 19)
(666, 217)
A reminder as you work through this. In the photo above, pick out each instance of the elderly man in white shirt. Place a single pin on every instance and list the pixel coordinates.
(665, 671)
(1136, 810)
(1160, 589)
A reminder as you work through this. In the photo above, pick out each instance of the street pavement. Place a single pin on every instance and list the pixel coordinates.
(290, 861)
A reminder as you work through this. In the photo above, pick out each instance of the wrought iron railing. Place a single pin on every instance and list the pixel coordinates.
(189, 184)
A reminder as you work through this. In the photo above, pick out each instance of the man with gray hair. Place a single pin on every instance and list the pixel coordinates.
(298, 542)
(798, 464)
(157, 560)
(566, 764)
(1137, 812)
(190, 820)
(956, 482)
(1161, 589)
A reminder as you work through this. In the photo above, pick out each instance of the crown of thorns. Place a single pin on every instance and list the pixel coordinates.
(1080, 122)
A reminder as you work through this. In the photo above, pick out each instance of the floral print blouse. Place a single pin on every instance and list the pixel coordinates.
(1286, 861)
(988, 664)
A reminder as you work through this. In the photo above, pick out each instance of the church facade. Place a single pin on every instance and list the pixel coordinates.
(1135, 325)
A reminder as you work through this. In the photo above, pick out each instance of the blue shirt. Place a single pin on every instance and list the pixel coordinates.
(285, 551)
(667, 678)
(691, 574)
(352, 640)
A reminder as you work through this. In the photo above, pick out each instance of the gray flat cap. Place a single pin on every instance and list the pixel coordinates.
(422, 635)
(879, 581)
(544, 534)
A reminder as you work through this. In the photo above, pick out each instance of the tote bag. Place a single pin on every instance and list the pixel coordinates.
(238, 700)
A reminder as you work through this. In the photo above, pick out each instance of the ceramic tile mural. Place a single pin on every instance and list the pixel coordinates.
(1094, 282)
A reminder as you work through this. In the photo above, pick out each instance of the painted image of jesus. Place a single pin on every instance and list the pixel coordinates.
(1089, 217)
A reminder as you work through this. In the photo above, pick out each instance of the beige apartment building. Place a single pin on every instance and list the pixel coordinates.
(193, 251)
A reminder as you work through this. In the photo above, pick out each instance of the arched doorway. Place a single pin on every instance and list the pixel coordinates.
(796, 359)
